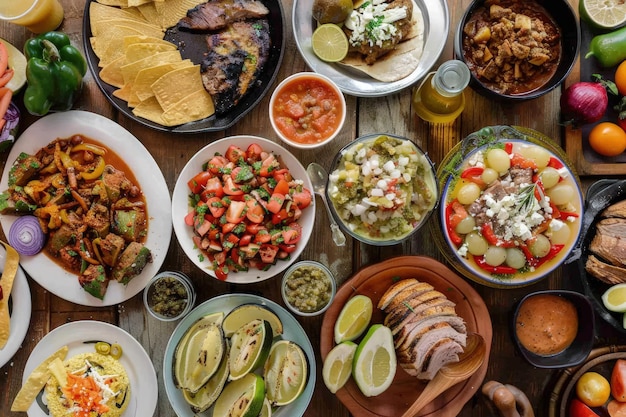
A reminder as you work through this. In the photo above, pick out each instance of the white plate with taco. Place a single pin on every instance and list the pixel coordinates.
(367, 76)
(81, 337)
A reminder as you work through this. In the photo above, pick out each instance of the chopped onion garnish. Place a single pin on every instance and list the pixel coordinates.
(26, 235)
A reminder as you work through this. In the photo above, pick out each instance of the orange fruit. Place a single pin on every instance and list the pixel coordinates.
(607, 139)
(620, 78)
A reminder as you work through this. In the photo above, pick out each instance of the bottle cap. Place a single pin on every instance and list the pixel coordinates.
(452, 77)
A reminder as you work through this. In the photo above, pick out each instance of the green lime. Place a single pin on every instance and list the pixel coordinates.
(249, 348)
(242, 398)
(353, 319)
(208, 393)
(329, 43)
(375, 362)
(338, 365)
(285, 373)
(245, 313)
(266, 410)
(603, 14)
(203, 356)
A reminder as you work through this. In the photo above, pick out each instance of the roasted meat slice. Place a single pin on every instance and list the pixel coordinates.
(217, 14)
(234, 61)
(610, 274)
(400, 290)
(616, 210)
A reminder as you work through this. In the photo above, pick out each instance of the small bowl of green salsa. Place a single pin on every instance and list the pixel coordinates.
(308, 288)
(169, 296)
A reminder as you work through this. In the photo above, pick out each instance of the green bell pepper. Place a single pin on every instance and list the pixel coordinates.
(609, 48)
(54, 73)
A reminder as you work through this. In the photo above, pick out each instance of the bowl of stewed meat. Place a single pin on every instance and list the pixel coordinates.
(517, 49)
(511, 207)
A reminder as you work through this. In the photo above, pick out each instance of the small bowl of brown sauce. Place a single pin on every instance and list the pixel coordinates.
(308, 288)
(554, 328)
(169, 296)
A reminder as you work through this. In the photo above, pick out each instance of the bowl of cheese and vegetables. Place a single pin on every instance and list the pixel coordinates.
(511, 207)
(382, 188)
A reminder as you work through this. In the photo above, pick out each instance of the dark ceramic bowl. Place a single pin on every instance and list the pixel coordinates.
(566, 19)
(578, 351)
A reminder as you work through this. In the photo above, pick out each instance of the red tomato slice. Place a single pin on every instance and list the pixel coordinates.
(282, 187)
(216, 206)
(287, 248)
(189, 218)
(197, 183)
(303, 198)
(213, 187)
(268, 253)
(282, 174)
(255, 213)
(253, 153)
(230, 188)
(275, 204)
(216, 164)
(245, 240)
(618, 380)
(291, 236)
(235, 212)
(235, 153)
(578, 409)
(263, 236)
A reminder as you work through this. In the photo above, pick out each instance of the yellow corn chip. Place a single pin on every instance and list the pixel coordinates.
(35, 382)
(195, 106)
(172, 11)
(99, 12)
(112, 73)
(123, 93)
(150, 109)
(129, 71)
(119, 3)
(129, 40)
(6, 284)
(175, 85)
(141, 87)
(149, 12)
(137, 51)
(101, 26)
(135, 3)
(109, 45)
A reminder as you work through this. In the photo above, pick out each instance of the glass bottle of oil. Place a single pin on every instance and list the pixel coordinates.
(440, 98)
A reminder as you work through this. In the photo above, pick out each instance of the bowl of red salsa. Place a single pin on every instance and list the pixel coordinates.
(307, 110)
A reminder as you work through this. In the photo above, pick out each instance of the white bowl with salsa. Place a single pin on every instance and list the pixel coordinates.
(307, 110)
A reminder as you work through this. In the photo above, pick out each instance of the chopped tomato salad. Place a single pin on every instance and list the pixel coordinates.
(246, 207)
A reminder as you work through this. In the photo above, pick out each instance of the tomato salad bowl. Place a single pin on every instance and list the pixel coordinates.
(511, 207)
(242, 209)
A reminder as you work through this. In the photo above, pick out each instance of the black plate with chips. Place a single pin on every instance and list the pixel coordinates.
(191, 46)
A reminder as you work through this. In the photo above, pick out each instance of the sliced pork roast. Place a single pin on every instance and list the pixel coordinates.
(607, 261)
(427, 332)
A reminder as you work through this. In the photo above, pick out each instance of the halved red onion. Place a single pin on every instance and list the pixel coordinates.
(26, 236)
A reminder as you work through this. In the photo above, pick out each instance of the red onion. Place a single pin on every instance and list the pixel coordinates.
(26, 235)
(583, 103)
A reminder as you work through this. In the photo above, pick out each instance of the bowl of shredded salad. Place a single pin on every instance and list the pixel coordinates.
(511, 207)
(243, 209)
(381, 189)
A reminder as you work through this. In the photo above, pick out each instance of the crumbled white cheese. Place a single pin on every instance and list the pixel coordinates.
(372, 23)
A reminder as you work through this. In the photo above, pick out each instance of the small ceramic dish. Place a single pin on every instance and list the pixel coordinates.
(308, 288)
(169, 296)
(551, 305)
(315, 118)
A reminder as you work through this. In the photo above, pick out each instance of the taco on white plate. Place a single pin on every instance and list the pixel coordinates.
(386, 38)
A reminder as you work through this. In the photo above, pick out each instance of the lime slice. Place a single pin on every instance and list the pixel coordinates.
(241, 398)
(614, 299)
(180, 354)
(266, 410)
(285, 373)
(603, 14)
(208, 393)
(338, 366)
(329, 43)
(249, 348)
(353, 319)
(203, 356)
(17, 62)
(246, 313)
(375, 361)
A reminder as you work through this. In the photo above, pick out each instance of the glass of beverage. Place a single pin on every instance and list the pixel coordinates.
(38, 16)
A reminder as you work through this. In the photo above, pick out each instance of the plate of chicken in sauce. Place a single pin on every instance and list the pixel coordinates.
(379, 73)
(102, 204)
(237, 46)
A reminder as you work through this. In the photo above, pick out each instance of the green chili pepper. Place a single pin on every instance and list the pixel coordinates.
(54, 73)
(609, 48)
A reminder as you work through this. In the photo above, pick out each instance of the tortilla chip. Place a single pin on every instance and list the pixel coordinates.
(138, 51)
(123, 93)
(142, 86)
(36, 381)
(175, 85)
(130, 70)
(118, 3)
(195, 106)
(172, 11)
(109, 45)
(6, 284)
(149, 12)
(99, 12)
(135, 3)
(400, 62)
(150, 109)
(112, 73)
(129, 40)
(145, 28)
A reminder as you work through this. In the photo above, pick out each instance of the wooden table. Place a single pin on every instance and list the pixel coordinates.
(391, 114)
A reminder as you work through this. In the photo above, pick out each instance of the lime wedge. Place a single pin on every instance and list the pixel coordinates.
(338, 365)
(285, 373)
(241, 398)
(203, 356)
(353, 319)
(329, 43)
(603, 14)
(266, 410)
(246, 313)
(249, 348)
(208, 393)
(375, 361)
(180, 354)
(614, 299)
